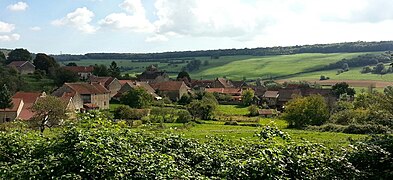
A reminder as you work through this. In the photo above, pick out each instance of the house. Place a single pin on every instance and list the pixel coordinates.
(127, 85)
(85, 95)
(286, 95)
(222, 83)
(235, 93)
(153, 75)
(84, 72)
(110, 83)
(9, 114)
(270, 98)
(174, 90)
(23, 67)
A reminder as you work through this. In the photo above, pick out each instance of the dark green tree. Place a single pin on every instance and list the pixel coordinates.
(114, 71)
(62, 76)
(100, 70)
(2, 58)
(343, 88)
(203, 109)
(183, 74)
(45, 62)
(19, 55)
(247, 97)
(379, 68)
(137, 98)
(5, 99)
(71, 64)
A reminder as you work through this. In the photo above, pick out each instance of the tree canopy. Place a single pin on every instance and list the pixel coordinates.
(343, 88)
(63, 76)
(5, 97)
(137, 98)
(114, 71)
(19, 55)
(49, 111)
(45, 63)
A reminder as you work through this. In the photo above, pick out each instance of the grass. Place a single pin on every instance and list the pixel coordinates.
(38, 85)
(232, 110)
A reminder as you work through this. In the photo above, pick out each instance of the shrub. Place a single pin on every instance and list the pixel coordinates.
(127, 113)
(183, 116)
(253, 110)
(366, 129)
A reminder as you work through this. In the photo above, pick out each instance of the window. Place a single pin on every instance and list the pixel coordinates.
(86, 98)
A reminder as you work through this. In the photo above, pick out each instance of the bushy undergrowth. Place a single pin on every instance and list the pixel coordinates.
(95, 148)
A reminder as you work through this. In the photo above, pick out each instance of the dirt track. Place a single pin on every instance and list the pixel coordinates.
(354, 83)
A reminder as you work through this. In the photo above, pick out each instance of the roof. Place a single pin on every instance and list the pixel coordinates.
(201, 83)
(16, 102)
(87, 88)
(123, 82)
(225, 82)
(287, 94)
(270, 94)
(103, 80)
(238, 84)
(224, 90)
(150, 75)
(168, 85)
(323, 92)
(19, 63)
(29, 98)
(143, 85)
(80, 69)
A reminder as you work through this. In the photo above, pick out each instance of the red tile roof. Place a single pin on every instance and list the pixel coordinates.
(123, 82)
(103, 80)
(29, 98)
(80, 69)
(16, 102)
(87, 88)
(168, 85)
(225, 82)
(224, 90)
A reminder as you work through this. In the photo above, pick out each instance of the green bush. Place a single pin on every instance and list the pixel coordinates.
(183, 116)
(366, 129)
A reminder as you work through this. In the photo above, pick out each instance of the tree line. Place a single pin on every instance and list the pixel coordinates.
(359, 46)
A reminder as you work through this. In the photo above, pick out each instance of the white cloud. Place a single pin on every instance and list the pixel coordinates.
(6, 27)
(19, 6)
(12, 37)
(135, 20)
(35, 28)
(157, 38)
(79, 19)
(230, 18)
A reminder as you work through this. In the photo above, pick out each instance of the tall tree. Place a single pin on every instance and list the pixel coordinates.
(343, 88)
(49, 111)
(100, 70)
(5, 99)
(19, 55)
(45, 62)
(114, 71)
(2, 58)
(62, 76)
(247, 97)
(183, 74)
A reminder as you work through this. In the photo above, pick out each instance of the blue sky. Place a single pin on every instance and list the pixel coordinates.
(83, 26)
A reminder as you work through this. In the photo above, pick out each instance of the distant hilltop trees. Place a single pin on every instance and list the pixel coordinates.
(359, 46)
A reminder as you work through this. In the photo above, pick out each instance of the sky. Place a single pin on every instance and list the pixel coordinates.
(139, 26)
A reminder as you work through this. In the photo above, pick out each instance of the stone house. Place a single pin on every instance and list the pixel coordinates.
(110, 83)
(85, 95)
(9, 114)
(270, 98)
(127, 85)
(235, 93)
(23, 67)
(153, 75)
(174, 90)
(84, 72)
(22, 104)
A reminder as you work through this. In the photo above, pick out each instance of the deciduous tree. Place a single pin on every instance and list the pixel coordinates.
(49, 111)
(137, 98)
(247, 97)
(19, 55)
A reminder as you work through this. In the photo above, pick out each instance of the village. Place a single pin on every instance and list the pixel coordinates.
(97, 93)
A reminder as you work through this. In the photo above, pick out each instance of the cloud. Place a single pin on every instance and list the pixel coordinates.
(230, 18)
(35, 28)
(157, 38)
(19, 6)
(135, 20)
(79, 19)
(6, 27)
(7, 38)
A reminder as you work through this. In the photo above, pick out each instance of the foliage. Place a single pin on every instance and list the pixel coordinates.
(136, 98)
(183, 116)
(127, 113)
(303, 111)
(95, 148)
(193, 65)
(359, 61)
(11, 78)
(269, 132)
(343, 88)
(100, 70)
(71, 64)
(19, 55)
(182, 75)
(247, 97)
(113, 70)
(45, 63)
(49, 112)
(203, 109)
(253, 110)
(2, 58)
(65, 76)
(185, 99)
(5, 100)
